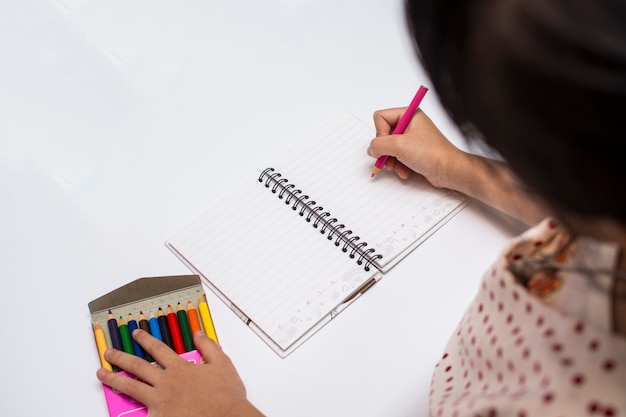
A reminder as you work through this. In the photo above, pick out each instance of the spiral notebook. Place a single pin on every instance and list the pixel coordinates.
(298, 243)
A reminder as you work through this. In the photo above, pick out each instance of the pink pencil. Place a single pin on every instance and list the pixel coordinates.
(402, 124)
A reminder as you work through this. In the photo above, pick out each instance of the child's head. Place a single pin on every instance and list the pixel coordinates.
(543, 82)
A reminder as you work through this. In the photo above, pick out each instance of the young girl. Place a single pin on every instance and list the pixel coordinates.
(542, 83)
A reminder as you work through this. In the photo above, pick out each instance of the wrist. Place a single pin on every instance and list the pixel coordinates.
(243, 408)
(459, 173)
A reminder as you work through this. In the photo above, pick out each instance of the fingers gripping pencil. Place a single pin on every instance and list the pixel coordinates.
(401, 126)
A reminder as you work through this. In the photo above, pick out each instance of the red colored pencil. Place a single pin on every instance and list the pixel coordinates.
(177, 338)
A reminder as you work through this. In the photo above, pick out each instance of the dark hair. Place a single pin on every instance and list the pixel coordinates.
(543, 82)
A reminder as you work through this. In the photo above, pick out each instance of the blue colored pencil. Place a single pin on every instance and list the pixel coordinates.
(155, 330)
(132, 326)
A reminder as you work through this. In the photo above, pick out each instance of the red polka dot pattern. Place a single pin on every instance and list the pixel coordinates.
(514, 354)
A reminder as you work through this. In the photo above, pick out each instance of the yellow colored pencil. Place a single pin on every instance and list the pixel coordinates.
(207, 320)
(101, 344)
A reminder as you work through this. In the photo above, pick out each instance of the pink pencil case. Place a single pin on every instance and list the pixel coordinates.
(121, 405)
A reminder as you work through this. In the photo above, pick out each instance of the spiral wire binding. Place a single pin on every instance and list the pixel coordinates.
(321, 219)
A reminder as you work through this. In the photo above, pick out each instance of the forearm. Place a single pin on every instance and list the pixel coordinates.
(491, 182)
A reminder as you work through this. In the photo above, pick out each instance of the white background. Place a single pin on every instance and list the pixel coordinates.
(122, 120)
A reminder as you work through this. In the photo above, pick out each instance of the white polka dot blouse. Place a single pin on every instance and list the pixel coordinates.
(537, 340)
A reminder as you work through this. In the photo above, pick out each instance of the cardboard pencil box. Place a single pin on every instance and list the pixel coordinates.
(146, 295)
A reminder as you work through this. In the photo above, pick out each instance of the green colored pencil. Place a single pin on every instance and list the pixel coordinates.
(127, 341)
(185, 328)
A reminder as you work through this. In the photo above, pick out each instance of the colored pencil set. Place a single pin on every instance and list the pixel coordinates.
(174, 325)
(170, 308)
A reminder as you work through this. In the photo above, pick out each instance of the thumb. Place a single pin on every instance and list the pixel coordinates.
(206, 346)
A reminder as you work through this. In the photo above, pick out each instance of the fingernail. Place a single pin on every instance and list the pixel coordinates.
(107, 354)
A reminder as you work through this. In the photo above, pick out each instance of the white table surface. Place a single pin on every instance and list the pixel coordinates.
(122, 120)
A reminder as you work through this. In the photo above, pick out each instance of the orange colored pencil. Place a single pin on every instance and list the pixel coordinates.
(192, 314)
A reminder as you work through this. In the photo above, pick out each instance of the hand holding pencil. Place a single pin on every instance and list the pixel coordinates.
(422, 149)
(402, 124)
